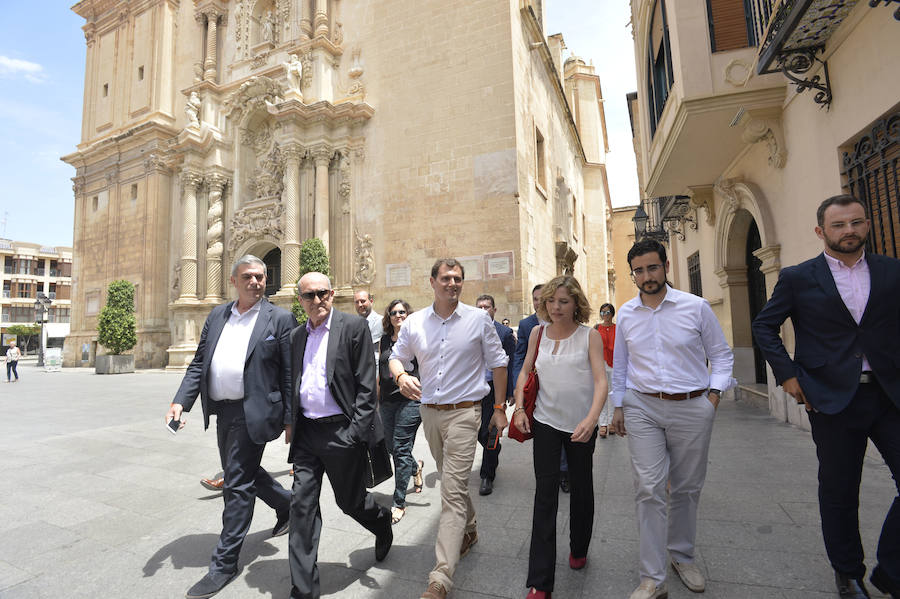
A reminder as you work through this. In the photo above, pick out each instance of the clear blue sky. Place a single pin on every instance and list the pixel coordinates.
(42, 54)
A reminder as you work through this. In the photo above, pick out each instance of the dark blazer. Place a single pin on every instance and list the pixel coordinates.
(524, 331)
(350, 363)
(509, 346)
(829, 345)
(267, 375)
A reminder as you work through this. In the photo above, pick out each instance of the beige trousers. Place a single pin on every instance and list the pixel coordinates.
(452, 437)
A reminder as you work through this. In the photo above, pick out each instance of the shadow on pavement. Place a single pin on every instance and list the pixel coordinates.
(194, 551)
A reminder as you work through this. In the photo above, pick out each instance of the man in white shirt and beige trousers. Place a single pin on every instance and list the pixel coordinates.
(666, 398)
(454, 343)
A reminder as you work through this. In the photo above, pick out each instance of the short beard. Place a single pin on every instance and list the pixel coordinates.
(836, 246)
(661, 286)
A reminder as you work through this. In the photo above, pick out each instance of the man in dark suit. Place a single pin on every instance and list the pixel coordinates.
(846, 371)
(491, 457)
(241, 371)
(333, 398)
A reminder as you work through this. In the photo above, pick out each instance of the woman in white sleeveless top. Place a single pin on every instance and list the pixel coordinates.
(571, 396)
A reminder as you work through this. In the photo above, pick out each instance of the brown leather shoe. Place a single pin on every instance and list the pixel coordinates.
(469, 539)
(213, 484)
(434, 591)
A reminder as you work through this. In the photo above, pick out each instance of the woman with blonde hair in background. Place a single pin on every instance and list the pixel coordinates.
(572, 373)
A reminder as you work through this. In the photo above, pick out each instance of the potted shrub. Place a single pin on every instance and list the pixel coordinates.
(313, 258)
(116, 330)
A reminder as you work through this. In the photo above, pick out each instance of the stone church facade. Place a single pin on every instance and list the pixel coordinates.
(396, 132)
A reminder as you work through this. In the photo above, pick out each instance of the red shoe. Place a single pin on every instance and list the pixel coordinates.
(577, 563)
(536, 594)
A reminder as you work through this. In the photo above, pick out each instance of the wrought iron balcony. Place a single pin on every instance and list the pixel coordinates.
(796, 32)
(658, 218)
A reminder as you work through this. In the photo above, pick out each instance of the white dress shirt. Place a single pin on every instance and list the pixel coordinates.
(316, 399)
(666, 349)
(376, 327)
(226, 370)
(853, 284)
(452, 353)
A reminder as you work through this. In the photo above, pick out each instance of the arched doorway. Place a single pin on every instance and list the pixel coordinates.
(756, 293)
(273, 271)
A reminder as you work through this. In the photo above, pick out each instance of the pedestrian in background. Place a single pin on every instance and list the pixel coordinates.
(12, 362)
(569, 363)
(399, 415)
(607, 331)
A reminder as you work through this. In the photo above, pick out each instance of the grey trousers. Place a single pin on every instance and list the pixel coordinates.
(669, 443)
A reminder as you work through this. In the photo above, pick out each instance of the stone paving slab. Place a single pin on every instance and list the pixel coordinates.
(100, 501)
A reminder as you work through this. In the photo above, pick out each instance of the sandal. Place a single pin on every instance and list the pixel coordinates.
(397, 514)
(417, 479)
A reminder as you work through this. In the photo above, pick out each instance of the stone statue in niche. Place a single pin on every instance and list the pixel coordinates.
(268, 27)
(293, 73)
(192, 110)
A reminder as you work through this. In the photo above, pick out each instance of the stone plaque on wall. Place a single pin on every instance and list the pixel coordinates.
(498, 265)
(398, 275)
(474, 266)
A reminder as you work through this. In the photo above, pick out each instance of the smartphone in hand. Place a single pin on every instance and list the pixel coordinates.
(173, 426)
(493, 439)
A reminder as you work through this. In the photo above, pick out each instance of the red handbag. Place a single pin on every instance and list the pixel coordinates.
(530, 392)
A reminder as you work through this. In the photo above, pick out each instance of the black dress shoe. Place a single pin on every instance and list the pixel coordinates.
(282, 524)
(210, 584)
(383, 543)
(564, 481)
(885, 583)
(850, 588)
(487, 487)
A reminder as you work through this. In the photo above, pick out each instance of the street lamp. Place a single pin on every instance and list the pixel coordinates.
(41, 308)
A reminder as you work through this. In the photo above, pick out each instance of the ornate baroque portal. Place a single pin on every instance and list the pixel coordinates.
(267, 160)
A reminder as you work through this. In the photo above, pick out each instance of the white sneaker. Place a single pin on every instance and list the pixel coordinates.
(648, 590)
(690, 575)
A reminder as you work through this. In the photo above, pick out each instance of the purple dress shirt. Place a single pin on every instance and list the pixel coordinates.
(316, 400)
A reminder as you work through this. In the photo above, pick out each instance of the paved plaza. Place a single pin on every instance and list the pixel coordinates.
(98, 500)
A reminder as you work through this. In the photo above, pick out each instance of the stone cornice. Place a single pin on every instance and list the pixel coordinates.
(339, 114)
(141, 134)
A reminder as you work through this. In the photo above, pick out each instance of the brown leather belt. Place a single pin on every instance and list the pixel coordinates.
(675, 396)
(452, 406)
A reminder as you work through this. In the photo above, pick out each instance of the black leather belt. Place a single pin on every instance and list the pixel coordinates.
(866, 377)
(330, 419)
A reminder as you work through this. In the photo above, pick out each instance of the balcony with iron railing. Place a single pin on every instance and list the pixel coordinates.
(793, 36)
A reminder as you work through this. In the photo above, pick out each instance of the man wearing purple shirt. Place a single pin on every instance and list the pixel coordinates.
(845, 370)
(333, 400)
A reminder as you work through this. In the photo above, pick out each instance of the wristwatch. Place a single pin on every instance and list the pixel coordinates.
(716, 391)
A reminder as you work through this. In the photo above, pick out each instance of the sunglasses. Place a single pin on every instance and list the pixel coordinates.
(321, 294)
(397, 312)
(605, 312)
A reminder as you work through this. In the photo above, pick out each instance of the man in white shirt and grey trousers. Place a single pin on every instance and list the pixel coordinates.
(454, 343)
(666, 397)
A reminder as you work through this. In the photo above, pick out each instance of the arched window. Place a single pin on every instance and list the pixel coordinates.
(659, 64)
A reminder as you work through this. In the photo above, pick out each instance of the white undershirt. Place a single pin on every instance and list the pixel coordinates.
(226, 371)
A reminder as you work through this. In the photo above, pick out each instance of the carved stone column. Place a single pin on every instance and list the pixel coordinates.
(209, 65)
(344, 249)
(322, 158)
(214, 237)
(321, 18)
(290, 252)
(190, 181)
(305, 23)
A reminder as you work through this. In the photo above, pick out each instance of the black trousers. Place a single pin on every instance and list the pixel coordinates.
(325, 448)
(489, 457)
(547, 445)
(841, 441)
(245, 480)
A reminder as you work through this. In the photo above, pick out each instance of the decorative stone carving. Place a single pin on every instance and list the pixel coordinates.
(192, 110)
(766, 126)
(737, 72)
(725, 189)
(283, 10)
(153, 162)
(259, 61)
(259, 139)
(269, 27)
(214, 235)
(254, 222)
(337, 36)
(293, 73)
(267, 181)
(344, 187)
(307, 70)
(365, 260)
(198, 72)
(254, 93)
(702, 197)
(238, 29)
(176, 281)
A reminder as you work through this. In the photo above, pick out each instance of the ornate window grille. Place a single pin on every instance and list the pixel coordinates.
(870, 172)
(694, 280)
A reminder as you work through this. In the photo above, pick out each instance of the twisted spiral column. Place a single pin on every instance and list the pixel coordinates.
(214, 237)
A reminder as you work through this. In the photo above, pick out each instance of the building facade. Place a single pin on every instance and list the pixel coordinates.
(396, 132)
(749, 114)
(29, 269)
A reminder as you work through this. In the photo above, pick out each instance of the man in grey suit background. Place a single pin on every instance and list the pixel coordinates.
(241, 371)
(333, 403)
